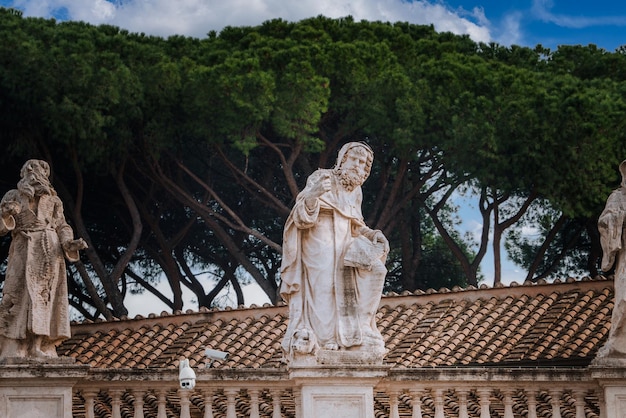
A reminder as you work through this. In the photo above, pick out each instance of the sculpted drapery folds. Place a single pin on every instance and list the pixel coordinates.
(333, 268)
(611, 224)
(34, 315)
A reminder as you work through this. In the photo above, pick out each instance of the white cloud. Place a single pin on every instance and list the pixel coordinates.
(102, 9)
(198, 17)
(542, 10)
(510, 32)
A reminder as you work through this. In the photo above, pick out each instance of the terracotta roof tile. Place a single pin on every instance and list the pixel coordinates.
(487, 326)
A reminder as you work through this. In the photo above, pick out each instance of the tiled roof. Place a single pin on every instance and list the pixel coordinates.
(537, 325)
(556, 324)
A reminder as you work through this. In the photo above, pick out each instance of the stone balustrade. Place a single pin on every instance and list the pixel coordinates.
(487, 402)
(416, 393)
(490, 393)
(205, 401)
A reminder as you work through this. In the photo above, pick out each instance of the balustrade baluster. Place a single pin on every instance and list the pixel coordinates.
(393, 404)
(508, 403)
(116, 403)
(462, 394)
(276, 403)
(89, 396)
(579, 402)
(138, 404)
(254, 403)
(555, 401)
(416, 400)
(231, 398)
(208, 403)
(485, 401)
(161, 403)
(439, 403)
(531, 402)
(184, 403)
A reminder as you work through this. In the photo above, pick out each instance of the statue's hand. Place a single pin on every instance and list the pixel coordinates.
(380, 238)
(75, 245)
(10, 208)
(323, 185)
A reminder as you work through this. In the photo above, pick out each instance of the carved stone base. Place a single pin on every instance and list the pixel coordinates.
(337, 358)
(346, 392)
(340, 357)
(31, 389)
(337, 401)
(611, 376)
(615, 400)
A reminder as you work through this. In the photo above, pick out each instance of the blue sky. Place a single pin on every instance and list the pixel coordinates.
(551, 23)
(520, 22)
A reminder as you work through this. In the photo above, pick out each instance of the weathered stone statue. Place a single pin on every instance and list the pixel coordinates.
(333, 266)
(611, 225)
(34, 315)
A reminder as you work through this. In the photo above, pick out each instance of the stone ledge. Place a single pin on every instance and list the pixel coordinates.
(34, 361)
(21, 372)
(609, 369)
(339, 374)
(608, 362)
(352, 358)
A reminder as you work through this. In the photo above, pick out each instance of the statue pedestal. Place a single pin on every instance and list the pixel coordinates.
(611, 376)
(32, 389)
(336, 391)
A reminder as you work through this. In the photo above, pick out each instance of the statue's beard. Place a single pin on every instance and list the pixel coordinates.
(35, 185)
(351, 179)
(41, 189)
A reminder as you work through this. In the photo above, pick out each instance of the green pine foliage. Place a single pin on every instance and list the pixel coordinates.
(178, 159)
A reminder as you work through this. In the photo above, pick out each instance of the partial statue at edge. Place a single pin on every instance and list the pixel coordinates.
(611, 226)
(333, 266)
(34, 317)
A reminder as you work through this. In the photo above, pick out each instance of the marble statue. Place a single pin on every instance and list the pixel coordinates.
(333, 266)
(34, 316)
(611, 226)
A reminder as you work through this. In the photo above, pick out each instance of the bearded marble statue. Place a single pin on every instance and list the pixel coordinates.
(611, 225)
(34, 316)
(333, 266)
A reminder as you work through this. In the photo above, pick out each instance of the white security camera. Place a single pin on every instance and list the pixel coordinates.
(215, 355)
(186, 375)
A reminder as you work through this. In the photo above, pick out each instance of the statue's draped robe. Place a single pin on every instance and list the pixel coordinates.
(337, 303)
(34, 299)
(611, 225)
